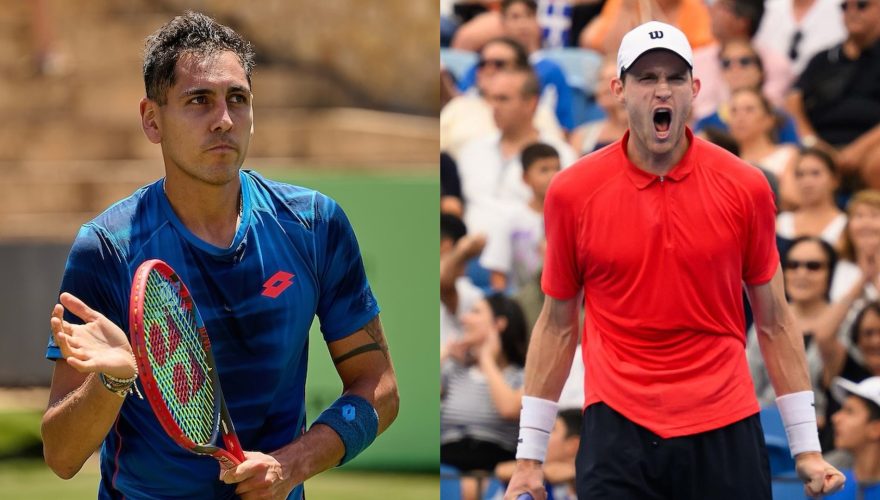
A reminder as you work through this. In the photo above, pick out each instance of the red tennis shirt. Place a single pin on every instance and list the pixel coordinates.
(662, 261)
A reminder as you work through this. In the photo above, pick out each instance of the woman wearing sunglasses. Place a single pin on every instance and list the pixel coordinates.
(808, 266)
(743, 68)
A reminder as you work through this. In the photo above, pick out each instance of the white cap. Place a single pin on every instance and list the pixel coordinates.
(649, 36)
(868, 389)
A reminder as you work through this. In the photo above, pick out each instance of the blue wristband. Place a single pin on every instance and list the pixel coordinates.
(356, 422)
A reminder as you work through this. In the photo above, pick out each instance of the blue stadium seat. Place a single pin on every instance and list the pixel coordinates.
(581, 68)
(788, 488)
(494, 489)
(450, 483)
(458, 62)
(777, 442)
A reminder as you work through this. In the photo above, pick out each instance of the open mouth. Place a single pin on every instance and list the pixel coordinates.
(662, 120)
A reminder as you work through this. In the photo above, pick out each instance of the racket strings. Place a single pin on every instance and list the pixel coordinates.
(178, 358)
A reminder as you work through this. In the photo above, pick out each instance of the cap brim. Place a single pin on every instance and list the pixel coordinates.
(620, 71)
(841, 388)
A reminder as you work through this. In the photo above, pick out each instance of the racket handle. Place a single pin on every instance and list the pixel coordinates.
(525, 496)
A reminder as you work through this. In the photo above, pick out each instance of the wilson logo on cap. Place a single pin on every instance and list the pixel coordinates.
(652, 35)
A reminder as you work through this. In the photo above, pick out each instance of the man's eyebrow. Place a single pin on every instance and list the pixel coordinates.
(206, 91)
(239, 88)
(196, 91)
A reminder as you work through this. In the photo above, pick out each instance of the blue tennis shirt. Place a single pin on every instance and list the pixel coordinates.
(294, 256)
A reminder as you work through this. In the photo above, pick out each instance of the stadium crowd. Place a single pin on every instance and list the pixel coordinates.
(790, 86)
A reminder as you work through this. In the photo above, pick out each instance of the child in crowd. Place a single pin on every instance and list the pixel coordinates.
(513, 252)
(857, 430)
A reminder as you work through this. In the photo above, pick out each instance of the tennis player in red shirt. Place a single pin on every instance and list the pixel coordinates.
(660, 231)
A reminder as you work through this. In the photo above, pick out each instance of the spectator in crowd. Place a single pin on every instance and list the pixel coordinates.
(857, 426)
(489, 167)
(861, 245)
(457, 293)
(815, 181)
(617, 17)
(800, 29)
(741, 67)
(856, 362)
(754, 125)
(513, 251)
(562, 449)
(597, 134)
(560, 21)
(808, 265)
(469, 115)
(836, 100)
(519, 21)
(737, 20)
(481, 388)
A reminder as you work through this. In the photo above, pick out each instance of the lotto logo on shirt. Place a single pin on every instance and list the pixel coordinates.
(277, 284)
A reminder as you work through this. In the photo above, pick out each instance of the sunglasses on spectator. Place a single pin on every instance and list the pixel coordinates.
(494, 63)
(744, 61)
(858, 4)
(812, 265)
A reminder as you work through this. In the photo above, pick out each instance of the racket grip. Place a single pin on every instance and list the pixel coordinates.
(525, 496)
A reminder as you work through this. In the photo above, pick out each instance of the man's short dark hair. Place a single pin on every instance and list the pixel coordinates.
(520, 55)
(532, 5)
(573, 418)
(191, 33)
(452, 227)
(536, 151)
(752, 10)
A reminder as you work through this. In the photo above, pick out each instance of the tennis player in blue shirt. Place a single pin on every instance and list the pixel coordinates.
(261, 259)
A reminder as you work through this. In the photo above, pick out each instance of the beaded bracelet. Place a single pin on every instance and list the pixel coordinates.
(122, 387)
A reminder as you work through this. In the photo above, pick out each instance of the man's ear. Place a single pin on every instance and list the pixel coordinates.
(571, 445)
(617, 89)
(149, 120)
(874, 430)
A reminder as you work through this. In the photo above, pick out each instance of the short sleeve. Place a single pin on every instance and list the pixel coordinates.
(96, 274)
(760, 255)
(562, 276)
(346, 302)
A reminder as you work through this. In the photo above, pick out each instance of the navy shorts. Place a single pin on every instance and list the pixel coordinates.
(619, 459)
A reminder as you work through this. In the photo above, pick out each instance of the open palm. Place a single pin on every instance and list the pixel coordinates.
(98, 345)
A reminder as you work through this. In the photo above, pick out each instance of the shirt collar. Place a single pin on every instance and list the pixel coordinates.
(643, 179)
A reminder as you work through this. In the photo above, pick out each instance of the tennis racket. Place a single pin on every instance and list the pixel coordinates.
(175, 364)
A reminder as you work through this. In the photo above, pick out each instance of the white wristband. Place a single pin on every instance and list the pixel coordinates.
(536, 421)
(798, 412)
